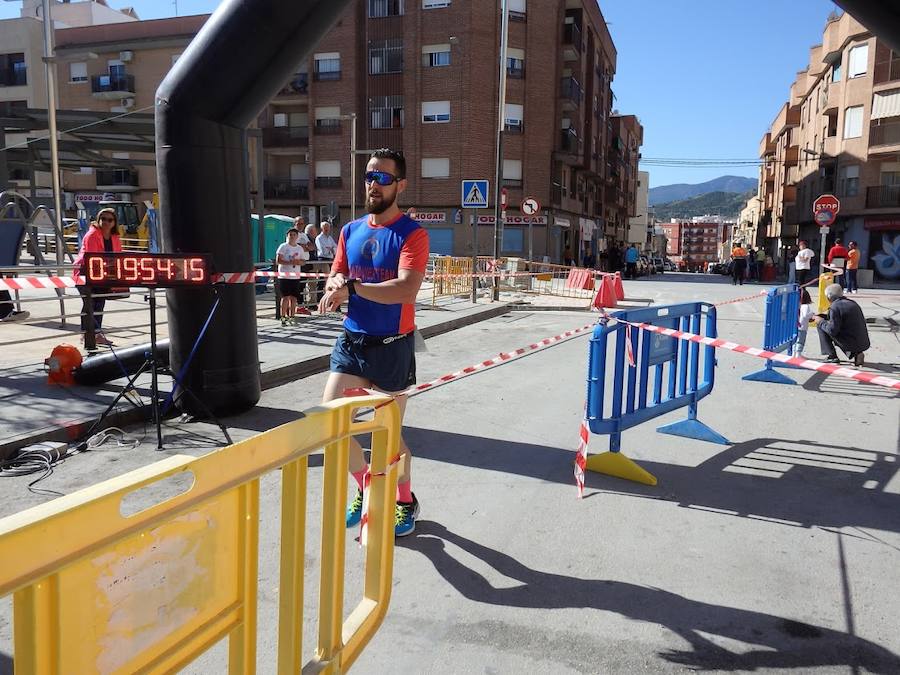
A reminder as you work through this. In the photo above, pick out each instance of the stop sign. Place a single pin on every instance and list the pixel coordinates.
(825, 210)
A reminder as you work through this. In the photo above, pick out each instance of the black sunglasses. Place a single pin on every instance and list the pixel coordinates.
(380, 177)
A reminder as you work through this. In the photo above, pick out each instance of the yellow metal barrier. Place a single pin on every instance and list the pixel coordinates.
(96, 591)
(825, 280)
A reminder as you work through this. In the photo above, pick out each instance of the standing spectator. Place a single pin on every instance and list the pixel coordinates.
(852, 267)
(806, 315)
(751, 263)
(631, 259)
(837, 257)
(103, 236)
(792, 265)
(844, 326)
(290, 257)
(325, 243)
(760, 262)
(312, 285)
(378, 270)
(738, 264)
(802, 262)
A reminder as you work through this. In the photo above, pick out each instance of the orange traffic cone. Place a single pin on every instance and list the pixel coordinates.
(620, 290)
(606, 294)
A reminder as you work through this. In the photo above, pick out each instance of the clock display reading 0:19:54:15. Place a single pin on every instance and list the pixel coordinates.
(142, 269)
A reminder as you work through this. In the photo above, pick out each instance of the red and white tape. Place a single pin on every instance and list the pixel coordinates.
(30, 283)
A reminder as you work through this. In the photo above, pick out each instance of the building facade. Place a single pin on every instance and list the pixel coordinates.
(640, 228)
(838, 133)
(694, 243)
(420, 76)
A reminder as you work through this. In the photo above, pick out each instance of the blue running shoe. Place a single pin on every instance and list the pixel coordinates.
(405, 517)
(354, 509)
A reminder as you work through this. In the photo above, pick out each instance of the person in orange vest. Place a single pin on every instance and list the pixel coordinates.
(739, 264)
(852, 267)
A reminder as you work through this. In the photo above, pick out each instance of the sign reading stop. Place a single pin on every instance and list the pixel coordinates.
(825, 210)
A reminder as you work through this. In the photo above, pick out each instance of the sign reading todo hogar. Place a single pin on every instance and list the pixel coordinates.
(515, 220)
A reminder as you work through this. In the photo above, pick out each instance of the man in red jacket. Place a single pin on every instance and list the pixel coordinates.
(837, 255)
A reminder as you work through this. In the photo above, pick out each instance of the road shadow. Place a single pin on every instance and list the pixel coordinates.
(825, 384)
(6, 664)
(781, 642)
(818, 485)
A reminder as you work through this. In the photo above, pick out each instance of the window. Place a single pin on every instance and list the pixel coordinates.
(513, 118)
(327, 66)
(386, 56)
(515, 62)
(379, 8)
(328, 119)
(848, 184)
(13, 72)
(280, 120)
(435, 111)
(440, 240)
(328, 173)
(517, 10)
(858, 61)
(78, 72)
(435, 55)
(116, 68)
(437, 167)
(853, 118)
(513, 240)
(386, 112)
(836, 71)
(435, 4)
(512, 172)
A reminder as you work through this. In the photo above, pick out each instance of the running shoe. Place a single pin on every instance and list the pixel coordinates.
(405, 517)
(16, 316)
(101, 339)
(832, 359)
(304, 311)
(859, 360)
(354, 509)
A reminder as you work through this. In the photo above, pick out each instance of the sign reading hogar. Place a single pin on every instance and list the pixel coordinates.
(514, 220)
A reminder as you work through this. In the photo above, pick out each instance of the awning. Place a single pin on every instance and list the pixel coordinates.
(886, 104)
(561, 222)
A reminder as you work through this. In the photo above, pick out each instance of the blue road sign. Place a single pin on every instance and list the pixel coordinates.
(474, 194)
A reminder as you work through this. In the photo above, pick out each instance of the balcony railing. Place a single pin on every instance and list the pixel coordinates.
(571, 90)
(883, 196)
(285, 188)
(285, 137)
(112, 84)
(572, 36)
(885, 134)
(326, 75)
(117, 177)
(568, 141)
(330, 127)
(329, 182)
(515, 73)
(887, 71)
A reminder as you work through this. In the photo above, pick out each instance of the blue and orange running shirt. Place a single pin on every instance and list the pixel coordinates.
(375, 253)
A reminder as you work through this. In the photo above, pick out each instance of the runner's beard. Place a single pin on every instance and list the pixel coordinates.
(378, 205)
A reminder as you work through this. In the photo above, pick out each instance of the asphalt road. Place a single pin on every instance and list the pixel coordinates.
(781, 550)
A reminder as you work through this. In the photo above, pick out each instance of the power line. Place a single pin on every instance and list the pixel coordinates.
(74, 129)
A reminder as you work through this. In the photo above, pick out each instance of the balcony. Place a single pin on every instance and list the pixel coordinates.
(556, 193)
(883, 196)
(884, 134)
(329, 182)
(569, 141)
(788, 116)
(789, 196)
(887, 71)
(285, 188)
(117, 180)
(327, 75)
(571, 42)
(110, 87)
(298, 86)
(285, 137)
(330, 127)
(571, 93)
(766, 146)
(791, 155)
(515, 72)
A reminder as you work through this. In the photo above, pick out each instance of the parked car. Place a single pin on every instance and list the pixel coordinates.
(669, 265)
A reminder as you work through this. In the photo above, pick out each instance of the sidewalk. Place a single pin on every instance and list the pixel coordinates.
(35, 411)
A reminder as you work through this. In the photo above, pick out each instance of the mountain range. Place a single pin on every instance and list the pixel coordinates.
(663, 194)
(725, 204)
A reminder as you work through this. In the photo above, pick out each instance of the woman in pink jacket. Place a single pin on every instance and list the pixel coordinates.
(103, 235)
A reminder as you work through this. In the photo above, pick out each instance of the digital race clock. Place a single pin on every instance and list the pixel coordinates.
(156, 270)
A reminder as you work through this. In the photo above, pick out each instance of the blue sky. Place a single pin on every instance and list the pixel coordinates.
(706, 77)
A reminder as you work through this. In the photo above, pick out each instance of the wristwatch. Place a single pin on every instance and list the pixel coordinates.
(351, 287)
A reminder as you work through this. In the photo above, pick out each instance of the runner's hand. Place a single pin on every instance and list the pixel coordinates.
(335, 282)
(332, 300)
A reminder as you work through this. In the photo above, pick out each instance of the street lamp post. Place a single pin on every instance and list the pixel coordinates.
(501, 115)
(50, 71)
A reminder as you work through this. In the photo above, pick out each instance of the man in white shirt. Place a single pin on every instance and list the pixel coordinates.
(325, 243)
(802, 262)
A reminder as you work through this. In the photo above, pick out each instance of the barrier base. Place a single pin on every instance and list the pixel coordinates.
(693, 428)
(768, 374)
(618, 465)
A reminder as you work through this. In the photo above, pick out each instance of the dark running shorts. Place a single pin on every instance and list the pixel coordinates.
(390, 367)
(290, 287)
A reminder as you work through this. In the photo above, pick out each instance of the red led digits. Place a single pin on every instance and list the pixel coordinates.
(130, 267)
(95, 269)
(167, 268)
(198, 269)
(148, 269)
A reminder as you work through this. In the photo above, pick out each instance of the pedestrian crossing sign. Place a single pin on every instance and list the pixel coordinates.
(474, 194)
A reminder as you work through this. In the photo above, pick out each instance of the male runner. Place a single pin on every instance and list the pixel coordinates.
(378, 268)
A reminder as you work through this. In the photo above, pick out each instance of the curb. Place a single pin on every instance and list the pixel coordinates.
(268, 380)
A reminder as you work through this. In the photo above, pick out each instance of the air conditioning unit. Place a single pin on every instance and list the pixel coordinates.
(126, 56)
(127, 102)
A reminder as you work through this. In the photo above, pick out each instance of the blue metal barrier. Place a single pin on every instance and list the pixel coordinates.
(666, 375)
(780, 332)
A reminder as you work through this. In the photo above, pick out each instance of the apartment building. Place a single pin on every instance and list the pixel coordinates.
(838, 133)
(421, 76)
(692, 243)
